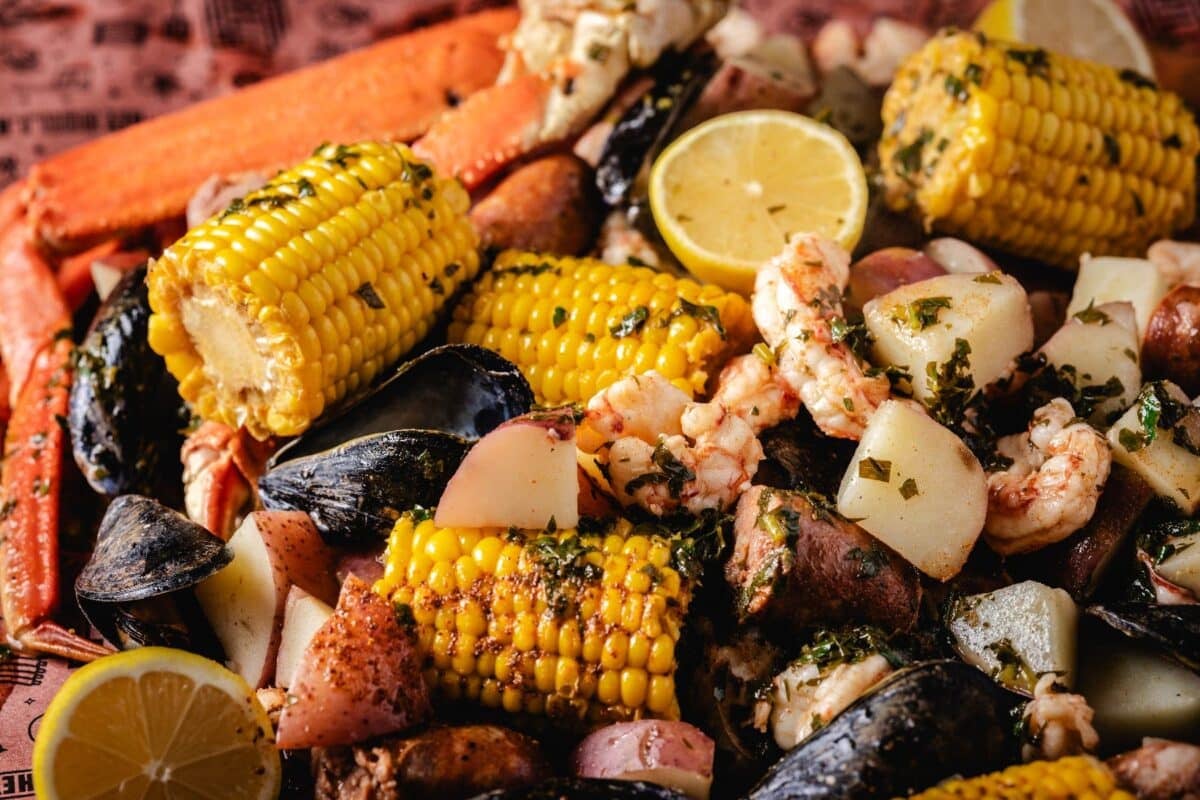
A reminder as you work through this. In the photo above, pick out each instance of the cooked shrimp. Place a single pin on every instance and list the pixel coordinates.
(1178, 262)
(1059, 723)
(706, 466)
(797, 298)
(1058, 471)
(679, 454)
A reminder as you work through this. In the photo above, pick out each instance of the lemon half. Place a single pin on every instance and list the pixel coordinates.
(155, 723)
(728, 194)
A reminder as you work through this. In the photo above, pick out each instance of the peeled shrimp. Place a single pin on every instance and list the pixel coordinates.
(1059, 469)
(1060, 723)
(1178, 262)
(797, 297)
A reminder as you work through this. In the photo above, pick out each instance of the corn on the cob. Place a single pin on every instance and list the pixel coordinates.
(576, 625)
(1064, 779)
(576, 325)
(301, 292)
(1036, 153)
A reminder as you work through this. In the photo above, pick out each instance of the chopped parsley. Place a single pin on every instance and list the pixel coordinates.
(875, 469)
(908, 158)
(908, 489)
(1091, 315)
(1036, 60)
(870, 561)
(560, 316)
(404, 615)
(951, 385)
(1113, 148)
(920, 313)
(369, 296)
(987, 277)
(830, 648)
(704, 313)
(631, 323)
(956, 89)
(974, 73)
(854, 335)
(671, 471)
(1158, 410)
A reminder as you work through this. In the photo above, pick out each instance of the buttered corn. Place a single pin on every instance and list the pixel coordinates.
(301, 292)
(570, 624)
(1036, 153)
(1064, 779)
(576, 325)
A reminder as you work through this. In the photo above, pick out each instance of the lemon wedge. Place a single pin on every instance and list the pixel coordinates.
(728, 194)
(1097, 30)
(155, 723)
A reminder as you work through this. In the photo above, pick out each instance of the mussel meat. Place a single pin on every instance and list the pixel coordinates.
(585, 789)
(133, 588)
(1174, 630)
(125, 414)
(919, 726)
(461, 389)
(646, 125)
(356, 491)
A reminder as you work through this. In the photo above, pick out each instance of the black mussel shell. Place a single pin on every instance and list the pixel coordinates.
(1175, 630)
(145, 549)
(125, 414)
(646, 125)
(461, 389)
(356, 491)
(920, 726)
(585, 789)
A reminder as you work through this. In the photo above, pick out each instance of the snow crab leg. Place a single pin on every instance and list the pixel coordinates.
(37, 356)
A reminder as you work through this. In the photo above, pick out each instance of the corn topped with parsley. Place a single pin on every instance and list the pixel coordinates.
(574, 624)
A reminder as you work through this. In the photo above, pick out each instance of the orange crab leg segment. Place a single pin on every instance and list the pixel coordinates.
(32, 318)
(492, 128)
(146, 173)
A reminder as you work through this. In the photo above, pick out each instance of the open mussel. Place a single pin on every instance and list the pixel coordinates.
(133, 588)
(1174, 630)
(921, 725)
(646, 125)
(125, 415)
(356, 491)
(461, 389)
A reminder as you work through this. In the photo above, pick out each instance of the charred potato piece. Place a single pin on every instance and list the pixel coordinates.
(439, 764)
(549, 206)
(1171, 349)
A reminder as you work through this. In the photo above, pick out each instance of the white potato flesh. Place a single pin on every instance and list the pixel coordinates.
(1182, 567)
(302, 618)
(1099, 347)
(1136, 692)
(1170, 470)
(522, 474)
(1028, 621)
(921, 323)
(1110, 279)
(916, 487)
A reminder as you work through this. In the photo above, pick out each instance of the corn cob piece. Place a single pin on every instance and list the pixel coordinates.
(301, 292)
(1064, 779)
(578, 626)
(576, 325)
(1036, 153)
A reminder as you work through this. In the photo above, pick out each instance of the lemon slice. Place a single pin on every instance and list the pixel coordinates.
(155, 723)
(729, 193)
(1093, 29)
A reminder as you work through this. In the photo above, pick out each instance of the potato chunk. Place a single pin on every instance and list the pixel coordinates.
(1018, 633)
(1182, 566)
(1110, 279)
(1171, 469)
(917, 488)
(1098, 349)
(921, 324)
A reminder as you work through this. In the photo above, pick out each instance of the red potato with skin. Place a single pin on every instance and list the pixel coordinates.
(360, 677)
(880, 272)
(523, 473)
(955, 255)
(669, 753)
(245, 603)
(1171, 348)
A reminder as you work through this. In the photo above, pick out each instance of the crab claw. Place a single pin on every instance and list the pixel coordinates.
(38, 361)
(220, 468)
(490, 129)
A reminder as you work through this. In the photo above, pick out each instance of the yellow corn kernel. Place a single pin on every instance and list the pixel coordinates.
(634, 683)
(1064, 779)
